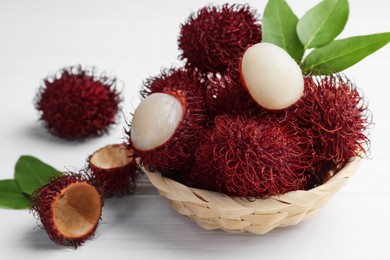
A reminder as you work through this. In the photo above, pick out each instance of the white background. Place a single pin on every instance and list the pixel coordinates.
(135, 39)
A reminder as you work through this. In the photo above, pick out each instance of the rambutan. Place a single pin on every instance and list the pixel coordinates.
(173, 79)
(78, 103)
(336, 116)
(225, 94)
(114, 170)
(69, 208)
(211, 38)
(165, 130)
(247, 157)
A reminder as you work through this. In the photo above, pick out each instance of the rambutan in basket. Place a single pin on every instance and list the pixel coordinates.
(213, 210)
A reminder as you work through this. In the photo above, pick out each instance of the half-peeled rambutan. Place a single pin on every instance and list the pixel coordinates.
(211, 38)
(114, 170)
(78, 103)
(247, 157)
(165, 130)
(69, 208)
(336, 117)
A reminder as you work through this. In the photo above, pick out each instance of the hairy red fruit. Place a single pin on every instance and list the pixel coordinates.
(77, 103)
(211, 38)
(250, 158)
(69, 208)
(226, 95)
(336, 117)
(177, 154)
(173, 79)
(114, 170)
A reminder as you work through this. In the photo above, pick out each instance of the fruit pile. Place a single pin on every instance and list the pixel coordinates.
(240, 117)
(257, 109)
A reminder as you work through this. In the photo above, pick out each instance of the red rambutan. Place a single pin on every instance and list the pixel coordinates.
(225, 94)
(77, 103)
(211, 38)
(69, 208)
(336, 117)
(172, 79)
(250, 158)
(114, 171)
(165, 130)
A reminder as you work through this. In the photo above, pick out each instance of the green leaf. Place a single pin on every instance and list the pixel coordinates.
(31, 173)
(279, 27)
(342, 54)
(321, 24)
(11, 196)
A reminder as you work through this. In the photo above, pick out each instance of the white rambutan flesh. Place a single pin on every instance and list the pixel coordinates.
(155, 121)
(271, 76)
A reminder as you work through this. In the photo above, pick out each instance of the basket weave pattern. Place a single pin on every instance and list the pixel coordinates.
(213, 210)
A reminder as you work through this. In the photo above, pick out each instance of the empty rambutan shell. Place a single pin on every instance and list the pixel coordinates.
(77, 103)
(211, 38)
(69, 208)
(165, 130)
(114, 170)
(246, 157)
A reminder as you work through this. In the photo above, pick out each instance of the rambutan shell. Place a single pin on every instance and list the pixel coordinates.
(114, 170)
(69, 208)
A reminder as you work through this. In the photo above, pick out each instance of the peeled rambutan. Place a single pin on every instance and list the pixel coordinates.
(248, 157)
(114, 170)
(173, 79)
(165, 130)
(69, 208)
(337, 118)
(78, 103)
(211, 38)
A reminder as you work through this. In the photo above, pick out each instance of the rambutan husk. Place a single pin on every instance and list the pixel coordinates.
(69, 208)
(177, 154)
(77, 102)
(114, 170)
(246, 157)
(215, 35)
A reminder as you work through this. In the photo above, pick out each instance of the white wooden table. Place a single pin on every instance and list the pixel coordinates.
(135, 39)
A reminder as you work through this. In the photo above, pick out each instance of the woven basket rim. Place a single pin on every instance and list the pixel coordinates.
(343, 173)
(213, 210)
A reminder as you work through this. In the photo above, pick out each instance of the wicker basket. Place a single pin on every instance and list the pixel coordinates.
(213, 210)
